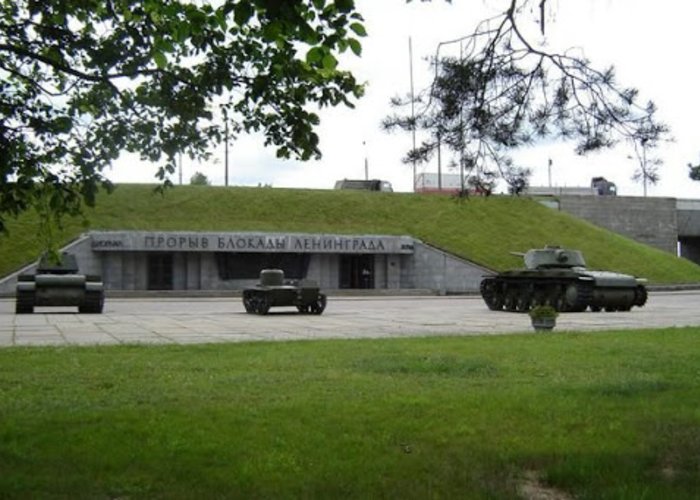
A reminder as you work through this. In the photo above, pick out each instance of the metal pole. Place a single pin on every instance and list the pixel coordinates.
(225, 149)
(364, 144)
(644, 167)
(439, 163)
(413, 110)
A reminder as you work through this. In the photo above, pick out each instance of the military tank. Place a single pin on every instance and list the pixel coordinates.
(559, 277)
(274, 291)
(59, 284)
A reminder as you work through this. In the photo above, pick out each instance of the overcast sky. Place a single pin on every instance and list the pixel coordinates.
(648, 41)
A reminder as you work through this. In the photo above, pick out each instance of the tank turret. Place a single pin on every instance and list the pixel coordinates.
(559, 277)
(274, 291)
(553, 257)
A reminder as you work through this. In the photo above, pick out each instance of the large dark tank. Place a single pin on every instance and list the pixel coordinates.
(274, 291)
(559, 277)
(59, 284)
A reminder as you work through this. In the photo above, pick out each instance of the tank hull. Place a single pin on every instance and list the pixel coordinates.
(520, 291)
(259, 300)
(33, 291)
(59, 285)
(559, 277)
(273, 292)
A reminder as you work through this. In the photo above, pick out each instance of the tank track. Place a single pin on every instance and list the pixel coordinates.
(523, 295)
(24, 303)
(640, 296)
(92, 304)
(259, 302)
(256, 302)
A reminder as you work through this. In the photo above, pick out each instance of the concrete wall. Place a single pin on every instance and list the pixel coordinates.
(434, 269)
(652, 221)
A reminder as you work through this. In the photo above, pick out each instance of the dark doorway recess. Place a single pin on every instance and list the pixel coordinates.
(160, 271)
(238, 266)
(357, 271)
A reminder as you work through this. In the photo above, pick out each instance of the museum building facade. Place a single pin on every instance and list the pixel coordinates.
(196, 261)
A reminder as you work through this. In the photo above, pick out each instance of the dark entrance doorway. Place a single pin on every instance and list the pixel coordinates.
(357, 271)
(160, 271)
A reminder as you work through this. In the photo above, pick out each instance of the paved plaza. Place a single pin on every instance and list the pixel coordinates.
(206, 320)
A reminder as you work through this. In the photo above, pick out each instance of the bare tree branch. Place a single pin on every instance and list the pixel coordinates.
(503, 92)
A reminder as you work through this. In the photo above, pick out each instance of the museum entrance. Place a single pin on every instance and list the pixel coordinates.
(160, 271)
(357, 271)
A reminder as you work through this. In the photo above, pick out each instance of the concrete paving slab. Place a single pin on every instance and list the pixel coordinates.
(215, 320)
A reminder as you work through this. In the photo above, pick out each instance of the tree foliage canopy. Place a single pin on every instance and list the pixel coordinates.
(504, 91)
(199, 179)
(83, 81)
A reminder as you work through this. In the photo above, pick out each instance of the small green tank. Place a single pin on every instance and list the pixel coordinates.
(274, 291)
(59, 284)
(559, 277)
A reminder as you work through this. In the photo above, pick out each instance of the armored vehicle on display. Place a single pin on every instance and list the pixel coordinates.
(59, 284)
(274, 291)
(559, 277)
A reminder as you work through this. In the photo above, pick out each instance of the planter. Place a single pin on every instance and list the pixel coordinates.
(543, 324)
(544, 317)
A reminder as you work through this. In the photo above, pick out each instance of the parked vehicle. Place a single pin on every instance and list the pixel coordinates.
(559, 277)
(59, 284)
(603, 187)
(274, 291)
(367, 185)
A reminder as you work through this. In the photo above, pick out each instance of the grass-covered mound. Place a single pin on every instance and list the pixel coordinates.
(482, 230)
(605, 415)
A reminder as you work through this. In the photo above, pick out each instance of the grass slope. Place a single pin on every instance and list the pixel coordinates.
(605, 415)
(483, 230)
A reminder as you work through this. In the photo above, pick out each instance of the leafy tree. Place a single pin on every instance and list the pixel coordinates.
(199, 179)
(517, 178)
(694, 172)
(81, 82)
(505, 91)
(481, 185)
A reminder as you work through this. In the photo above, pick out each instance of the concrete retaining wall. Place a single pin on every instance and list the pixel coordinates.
(652, 221)
(435, 269)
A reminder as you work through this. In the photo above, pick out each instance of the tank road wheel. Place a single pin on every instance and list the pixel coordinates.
(525, 298)
(248, 302)
(304, 309)
(490, 294)
(511, 300)
(570, 295)
(262, 305)
(557, 301)
(319, 305)
(596, 309)
(640, 296)
(498, 301)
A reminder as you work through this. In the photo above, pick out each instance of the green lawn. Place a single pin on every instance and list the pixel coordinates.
(604, 415)
(483, 230)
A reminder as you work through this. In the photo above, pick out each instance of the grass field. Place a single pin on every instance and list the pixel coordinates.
(483, 230)
(604, 415)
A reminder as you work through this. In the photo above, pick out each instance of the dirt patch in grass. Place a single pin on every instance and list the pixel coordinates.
(532, 488)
